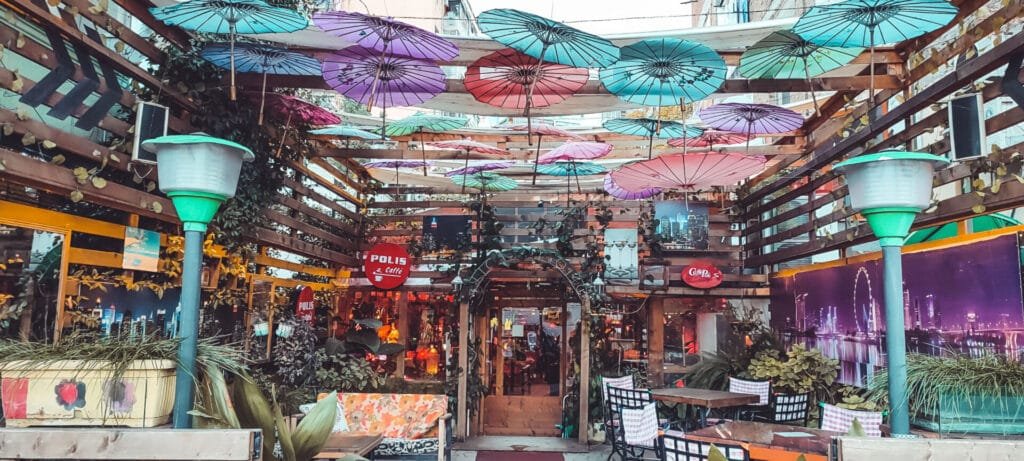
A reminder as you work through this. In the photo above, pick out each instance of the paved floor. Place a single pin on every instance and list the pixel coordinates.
(507, 448)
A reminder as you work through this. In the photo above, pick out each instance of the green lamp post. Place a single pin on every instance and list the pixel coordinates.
(198, 173)
(890, 189)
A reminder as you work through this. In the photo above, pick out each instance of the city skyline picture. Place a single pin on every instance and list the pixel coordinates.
(965, 299)
(682, 226)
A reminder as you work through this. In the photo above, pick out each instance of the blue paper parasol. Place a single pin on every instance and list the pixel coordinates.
(264, 59)
(651, 128)
(230, 17)
(665, 71)
(860, 23)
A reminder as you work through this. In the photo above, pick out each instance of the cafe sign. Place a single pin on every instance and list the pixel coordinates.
(387, 265)
(702, 275)
(305, 306)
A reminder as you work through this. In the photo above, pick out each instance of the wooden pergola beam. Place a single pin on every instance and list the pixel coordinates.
(594, 87)
(527, 155)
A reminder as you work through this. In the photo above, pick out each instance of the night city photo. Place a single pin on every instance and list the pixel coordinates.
(965, 298)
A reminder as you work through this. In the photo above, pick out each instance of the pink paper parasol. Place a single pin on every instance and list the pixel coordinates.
(298, 109)
(688, 172)
(469, 145)
(396, 164)
(576, 150)
(615, 191)
(710, 138)
(541, 130)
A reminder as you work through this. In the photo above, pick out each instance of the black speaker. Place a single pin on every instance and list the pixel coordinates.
(150, 122)
(967, 127)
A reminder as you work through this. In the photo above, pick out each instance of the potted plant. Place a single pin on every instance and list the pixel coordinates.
(85, 380)
(961, 394)
(801, 371)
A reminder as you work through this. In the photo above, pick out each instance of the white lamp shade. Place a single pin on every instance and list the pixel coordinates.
(890, 180)
(190, 163)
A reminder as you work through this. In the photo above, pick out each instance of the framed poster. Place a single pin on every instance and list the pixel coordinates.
(682, 226)
(445, 232)
(621, 255)
(141, 250)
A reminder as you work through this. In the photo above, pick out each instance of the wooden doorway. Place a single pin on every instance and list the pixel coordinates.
(528, 364)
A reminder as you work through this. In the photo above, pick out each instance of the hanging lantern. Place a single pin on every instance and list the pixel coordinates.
(433, 361)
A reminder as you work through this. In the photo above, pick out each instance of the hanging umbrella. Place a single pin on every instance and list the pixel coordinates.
(541, 130)
(469, 145)
(293, 108)
(751, 119)
(230, 17)
(576, 150)
(784, 54)
(479, 168)
(396, 164)
(486, 182)
(386, 35)
(264, 59)
(510, 79)
(860, 23)
(687, 172)
(546, 40)
(615, 191)
(419, 123)
(389, 81)
(710, 138)
(572, 169)
(664, 71)
(344, 131)
(651, 128)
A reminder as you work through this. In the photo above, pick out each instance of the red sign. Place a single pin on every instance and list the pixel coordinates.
(387, 265)
(304, 307)
(702, 275)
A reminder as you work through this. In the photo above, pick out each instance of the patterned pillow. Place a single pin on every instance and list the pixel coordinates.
(398, 447)
(340, 423)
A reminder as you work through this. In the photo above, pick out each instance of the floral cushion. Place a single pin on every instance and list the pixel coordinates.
(406, 416)
(396, 447)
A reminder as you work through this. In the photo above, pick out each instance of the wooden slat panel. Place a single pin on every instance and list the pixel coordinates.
(130, 444)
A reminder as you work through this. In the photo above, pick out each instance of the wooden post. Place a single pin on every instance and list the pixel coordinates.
(584, 422)
(656, 342)
(460, 423)
(403, 331)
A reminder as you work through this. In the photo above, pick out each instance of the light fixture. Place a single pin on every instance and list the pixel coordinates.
(890, 189)
(198, 173)
(457, 281)
(598, 283)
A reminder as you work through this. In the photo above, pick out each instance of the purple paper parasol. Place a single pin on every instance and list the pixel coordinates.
(615, 191)
(389, 81)
(386, 35)
(469, 145)
(396, 164)
(576, 150)
(751, 118)
(479, 168)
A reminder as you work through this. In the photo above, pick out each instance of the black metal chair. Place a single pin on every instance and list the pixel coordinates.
(675, 447)
(611, 420)
(619, 398)
(789, 409)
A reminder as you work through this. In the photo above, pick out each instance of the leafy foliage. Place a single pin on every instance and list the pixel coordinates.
(345, 372)
(958, 377)
(799, 372)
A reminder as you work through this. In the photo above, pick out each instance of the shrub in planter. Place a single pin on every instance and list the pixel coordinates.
(960, 394)
(86, 380)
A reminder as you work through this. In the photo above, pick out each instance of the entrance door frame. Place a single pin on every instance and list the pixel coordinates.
(469, 294)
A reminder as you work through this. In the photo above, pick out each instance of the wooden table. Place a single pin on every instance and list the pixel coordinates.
(340, 444)
(706, 399)
(764, 442)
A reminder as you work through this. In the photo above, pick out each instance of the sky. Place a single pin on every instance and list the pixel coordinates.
(603, 16)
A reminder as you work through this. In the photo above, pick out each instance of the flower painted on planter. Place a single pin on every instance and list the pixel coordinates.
(121, 395)
(70, 394)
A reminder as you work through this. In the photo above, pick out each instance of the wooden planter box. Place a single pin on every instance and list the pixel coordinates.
(975, 415)
(83, 393)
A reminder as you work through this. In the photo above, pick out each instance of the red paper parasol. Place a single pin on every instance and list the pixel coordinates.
(507, 78)
(710, 138)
